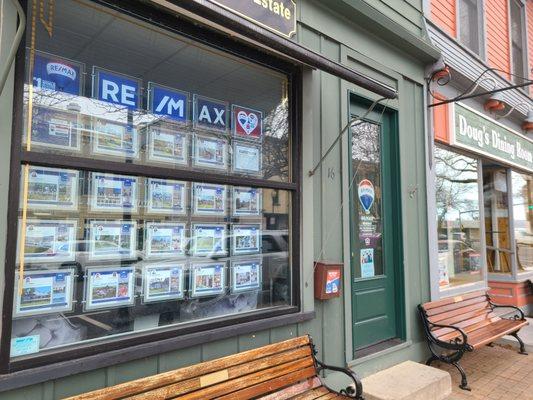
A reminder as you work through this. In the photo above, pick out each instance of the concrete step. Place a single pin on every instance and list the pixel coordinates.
(408, 381)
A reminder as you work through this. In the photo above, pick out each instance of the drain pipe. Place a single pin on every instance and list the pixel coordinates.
(14, 46)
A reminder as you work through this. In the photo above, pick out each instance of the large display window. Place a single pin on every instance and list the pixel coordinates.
(458, 219)
(523, 220)
(156, 173)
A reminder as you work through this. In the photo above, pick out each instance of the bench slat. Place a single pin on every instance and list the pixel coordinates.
(466, 316)
(273, 385)
(313, 394)
(437, 318)
(294, 390)
(468, 325)
(451, 300)
(293, 373)
(237, 371)
(453, 306)
(167, 378)
(494, 331)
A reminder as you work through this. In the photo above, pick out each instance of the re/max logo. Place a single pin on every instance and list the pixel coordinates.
(169, 102)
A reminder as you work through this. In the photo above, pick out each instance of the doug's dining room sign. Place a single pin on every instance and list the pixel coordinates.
(277, 15)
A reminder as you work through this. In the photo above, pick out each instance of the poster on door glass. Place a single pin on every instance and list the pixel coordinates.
(112, 240)
(114, 138)
(245, 275)
(209, 239)
(48, 240)
(43, 292)
(109, 287)
(210, 152)
(52, 189)
(163, 282)
(55, 128)
(367, 263)
(246, 201)
(247, 158)
(246, 239)
(168, 146)
(113, 193)
(166, 197)
(208, 279)
(209, 199)
(165, 239)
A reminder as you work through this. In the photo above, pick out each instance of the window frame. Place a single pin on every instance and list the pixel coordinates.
(525, 62)
(480, 4)
(233, 325)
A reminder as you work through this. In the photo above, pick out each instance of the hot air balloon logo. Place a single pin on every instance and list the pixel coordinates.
(366, 194)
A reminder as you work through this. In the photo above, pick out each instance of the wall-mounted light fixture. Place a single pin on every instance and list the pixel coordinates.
(527, 125)
(495, 103)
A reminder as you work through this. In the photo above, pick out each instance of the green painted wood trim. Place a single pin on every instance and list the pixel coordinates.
(366, 16)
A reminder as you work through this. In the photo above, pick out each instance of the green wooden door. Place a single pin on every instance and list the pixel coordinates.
(373, 201)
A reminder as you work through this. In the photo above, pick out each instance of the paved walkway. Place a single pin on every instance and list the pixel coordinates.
(496, 373)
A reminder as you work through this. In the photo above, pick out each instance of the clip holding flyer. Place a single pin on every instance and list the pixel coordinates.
(210, 114)
(163, 282)
(246, 201)
(245, 275)
(168, 146)
(209, 239)
(165, 239)
(112, 240)
(166, 197)
(109, 287)
(44, 292)
(52, 189)
(247, 123)
(247, 158)
(115, 138)
(55, 128)
(210, 152)
(208, 279)
(246, 239)
(209, 199)
(49, 240)
(113, 193)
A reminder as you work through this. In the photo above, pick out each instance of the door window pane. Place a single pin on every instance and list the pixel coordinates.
(367, 200)
(497, 233)
(523, 220)
(458, 224)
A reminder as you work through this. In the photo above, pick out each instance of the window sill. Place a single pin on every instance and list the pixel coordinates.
(45, 373)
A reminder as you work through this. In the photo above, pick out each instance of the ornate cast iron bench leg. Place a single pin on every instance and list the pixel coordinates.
(464, 382)
(522, 347)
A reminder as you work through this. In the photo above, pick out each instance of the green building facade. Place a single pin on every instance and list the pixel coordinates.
(373, 324)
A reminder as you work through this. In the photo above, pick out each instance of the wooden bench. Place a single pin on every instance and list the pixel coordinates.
(464, 323)
(278, 371)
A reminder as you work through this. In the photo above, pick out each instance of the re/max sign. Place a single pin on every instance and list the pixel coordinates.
(276, 15)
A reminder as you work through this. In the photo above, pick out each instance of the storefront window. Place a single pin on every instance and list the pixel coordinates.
(497, 224)
(458, 222)
(523, 220)
(155, 184)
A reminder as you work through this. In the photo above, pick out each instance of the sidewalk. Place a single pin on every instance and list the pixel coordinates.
(496, 373)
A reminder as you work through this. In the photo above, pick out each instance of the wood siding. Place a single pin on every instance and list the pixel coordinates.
(497, 35)
(443, 14)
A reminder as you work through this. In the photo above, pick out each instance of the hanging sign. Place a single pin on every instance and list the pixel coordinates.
(276, 15)
(168, 102)
(475, 132)
(210, 114)
(55, 73)
(366, 193)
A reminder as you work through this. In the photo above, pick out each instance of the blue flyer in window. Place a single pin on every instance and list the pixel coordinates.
(367, 263)
(168, 102)
(55, 73)
(24, 345)
(116, 88)
(210, 114)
